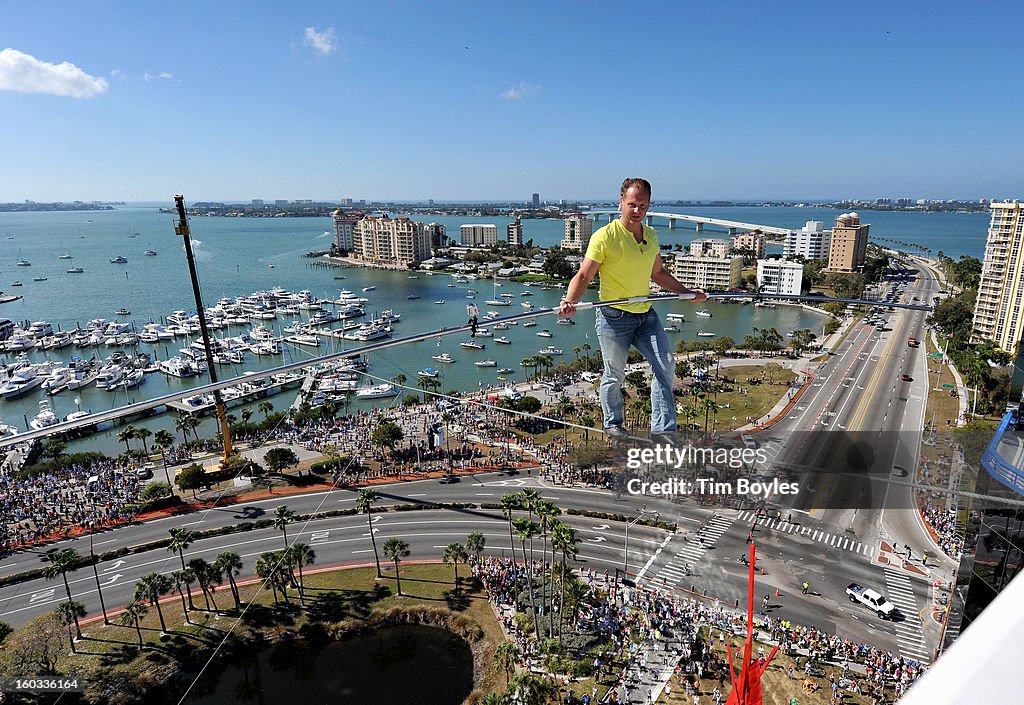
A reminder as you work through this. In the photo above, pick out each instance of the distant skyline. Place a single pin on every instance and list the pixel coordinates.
(404, 101)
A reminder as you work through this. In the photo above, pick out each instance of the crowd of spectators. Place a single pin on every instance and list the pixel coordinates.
(943, 524)
(638, 622)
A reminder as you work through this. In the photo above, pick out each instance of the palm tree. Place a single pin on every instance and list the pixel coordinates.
(206, 575)
(493, 699)
(282, 517)
(185, 423)
(164, 439)
(396, 549)
(475, 543)
(149, 588)
(265, 408)
(530, 496)
(246, 414)
(576, 593)
(454, 553)
(133, 613)
(367, 497)
(125, 435)
(70, 611)
(526, 529)
(507, 656)
(546, 513)
(301, 554)
(181, 538)
(270, 568)
(586, 353)
(528, 689)
(184, 577)
(60, 563)
(563, 538)
(509, 504)
(229, 564)
(142, 434)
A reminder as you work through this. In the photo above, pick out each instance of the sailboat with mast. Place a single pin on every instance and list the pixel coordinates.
(22, 262)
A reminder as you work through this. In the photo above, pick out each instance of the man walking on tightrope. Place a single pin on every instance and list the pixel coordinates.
(626, 254)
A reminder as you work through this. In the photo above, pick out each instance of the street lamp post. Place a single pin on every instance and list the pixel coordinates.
(625, 548)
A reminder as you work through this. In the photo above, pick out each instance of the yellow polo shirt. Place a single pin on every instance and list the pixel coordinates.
(626, 265)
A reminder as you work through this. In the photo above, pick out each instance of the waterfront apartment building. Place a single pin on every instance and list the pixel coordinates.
(514, 232)
(438, 236)
(848, 250)
(709, 247)
(779, 276)
(478, 235)
(578, 229)
(536, 201)
(753, 241)
(344, 227)
(708, 273)
(390, 241)
(809, 242)
(997, 313)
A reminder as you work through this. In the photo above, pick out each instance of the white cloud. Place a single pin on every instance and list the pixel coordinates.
(323, 43)
(150, 76)
(117, 73)
(519, 92)
(26, 74)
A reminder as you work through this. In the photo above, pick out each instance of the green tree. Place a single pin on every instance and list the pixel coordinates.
(528, 689)
(301, 554)
(164, 439)
(271, 569)
(526, 529)
(454, 553)
(364, 503)
(133, 613)
(283, 516)
(265, 408)
(181, 538)
(206, 575)
(475, 543)
(70, 611)
(60, 563)
(510, 503)
(142, 434)
(149, 588)
(387, 435)
(280, 459)
(183, 580)
(564, 540)
(396, 549)
(229, 564)
(191, 477)
(507, 655)
(125, 435)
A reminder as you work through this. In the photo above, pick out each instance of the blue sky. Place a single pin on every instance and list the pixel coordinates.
(449, 100)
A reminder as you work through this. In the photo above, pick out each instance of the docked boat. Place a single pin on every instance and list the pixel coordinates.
(378, 391)
(119, 260)
(485, 363)
(177, 367)
(704, 313)
(20, 383)
(444, 357)
(45, 417)
(310, 340)
(472, 345)
(705, 334)
(545, 334)
(503, 340)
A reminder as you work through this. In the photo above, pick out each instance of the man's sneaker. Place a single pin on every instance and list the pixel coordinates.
(615, 433)
(665, 439)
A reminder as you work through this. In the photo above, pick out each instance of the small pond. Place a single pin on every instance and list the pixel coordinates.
(391, 666)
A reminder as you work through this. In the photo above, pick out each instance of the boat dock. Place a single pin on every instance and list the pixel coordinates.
(237, 396)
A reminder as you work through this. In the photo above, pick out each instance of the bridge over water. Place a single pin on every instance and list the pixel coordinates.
(699, 221)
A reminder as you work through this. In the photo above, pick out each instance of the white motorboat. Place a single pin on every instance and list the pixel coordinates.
(704, 313)
(485, 363)
(439, 301)
(503, 340)
(472, 345)
(45, 417)
(545, 334)
(671, 329)
(369, 288)
(484, 333)
(675, 318)
(705, 334)
(19, 384)
(529, 324)
(429, 372)
(444, 357)
(505, 371)
(119, 260)
(412, 297)
(378, 391)
(310, 340)
(498, 302)
(551, 350)
(526, 304)
(75, 270)
(177, 367)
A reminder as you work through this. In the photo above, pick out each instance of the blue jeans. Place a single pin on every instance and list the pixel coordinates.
(617, 330)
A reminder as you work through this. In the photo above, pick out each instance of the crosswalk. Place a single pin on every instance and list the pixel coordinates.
(900, 592)
(679, 567)
(837, 541)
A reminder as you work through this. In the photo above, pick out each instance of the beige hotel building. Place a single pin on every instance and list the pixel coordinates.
(390, 241)
(997, 314)
(849, 248)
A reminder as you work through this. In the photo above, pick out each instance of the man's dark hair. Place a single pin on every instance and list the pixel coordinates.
(642, 184)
